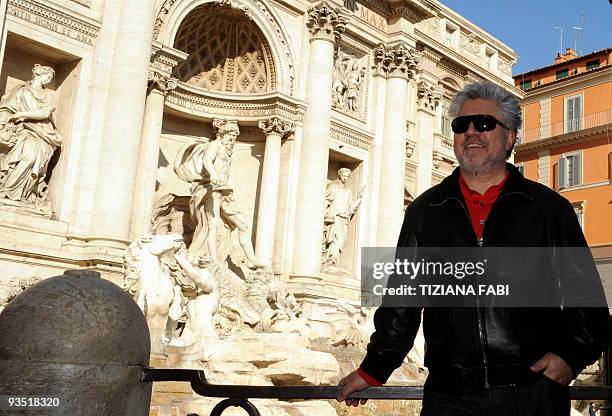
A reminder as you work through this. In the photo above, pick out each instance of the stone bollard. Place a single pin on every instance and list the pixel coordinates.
(79, 339)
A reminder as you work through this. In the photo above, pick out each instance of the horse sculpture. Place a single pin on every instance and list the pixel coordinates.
(148, 279)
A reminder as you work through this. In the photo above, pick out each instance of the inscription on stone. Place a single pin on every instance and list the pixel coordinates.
(371, 17)
(50, 24)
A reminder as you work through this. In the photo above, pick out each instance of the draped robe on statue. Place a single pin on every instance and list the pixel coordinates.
(339, 200)
(30, 144)
(189, 166)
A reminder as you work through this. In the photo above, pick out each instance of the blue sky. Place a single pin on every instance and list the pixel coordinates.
(527, 26)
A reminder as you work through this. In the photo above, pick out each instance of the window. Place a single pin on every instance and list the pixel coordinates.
(526, 84)
(563, 73)
(488, 60)
(521, 168)
(569, 170)
(445, 120)
(579, 210)
(573, 113)
(449, 35)
(594, 64)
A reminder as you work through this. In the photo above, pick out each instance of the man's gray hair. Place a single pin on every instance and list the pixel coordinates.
(509, 105)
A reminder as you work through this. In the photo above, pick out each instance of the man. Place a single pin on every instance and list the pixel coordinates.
(488, 361)
(206, 166)
(340, 208)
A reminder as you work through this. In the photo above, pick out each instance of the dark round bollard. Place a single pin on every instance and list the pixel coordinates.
(80, 339)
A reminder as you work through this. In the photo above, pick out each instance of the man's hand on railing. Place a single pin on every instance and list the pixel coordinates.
(350, 384)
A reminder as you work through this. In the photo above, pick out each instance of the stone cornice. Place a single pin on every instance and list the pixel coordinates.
(326, 22)
(194, 102)
(350, 135)
(473, 71)
(567, 85)
(562, 139)
(57, 19)
(164, 59)
(467, 26)
(412, 10)
(430, 53)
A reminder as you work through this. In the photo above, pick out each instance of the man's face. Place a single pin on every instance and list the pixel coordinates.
(344, 175)
(484, 152)
(229, 138)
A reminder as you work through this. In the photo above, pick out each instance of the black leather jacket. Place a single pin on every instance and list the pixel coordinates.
(472, 348)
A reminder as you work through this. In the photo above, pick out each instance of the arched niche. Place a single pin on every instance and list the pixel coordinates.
(228, 52)
(451, 84)
(174, 15)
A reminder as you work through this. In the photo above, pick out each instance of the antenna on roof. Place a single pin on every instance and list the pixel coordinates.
(578, 33)
(561, 28)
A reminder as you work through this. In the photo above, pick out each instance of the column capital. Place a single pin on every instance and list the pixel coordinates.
(161, 82)
(275, 125)
(428, 95)
(325, 22)
(399, 61)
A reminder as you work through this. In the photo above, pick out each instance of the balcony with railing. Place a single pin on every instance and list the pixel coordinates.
(571, 125)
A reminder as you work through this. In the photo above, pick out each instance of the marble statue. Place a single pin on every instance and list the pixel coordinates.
(354, 79)
(203, 301)
(340, 208)
(206, 167)
(348, 79)
(148, 278)
(28, 138)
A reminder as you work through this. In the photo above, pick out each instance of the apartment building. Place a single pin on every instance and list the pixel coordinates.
(566, 140)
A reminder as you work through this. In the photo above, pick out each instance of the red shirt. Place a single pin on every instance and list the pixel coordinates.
(478, 207)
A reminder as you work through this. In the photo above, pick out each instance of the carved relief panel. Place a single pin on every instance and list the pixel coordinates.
(350, 84)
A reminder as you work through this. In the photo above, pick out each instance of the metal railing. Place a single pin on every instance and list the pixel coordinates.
(586, 121)
(239, 395)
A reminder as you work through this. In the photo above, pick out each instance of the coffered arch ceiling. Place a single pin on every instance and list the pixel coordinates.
(227, 52)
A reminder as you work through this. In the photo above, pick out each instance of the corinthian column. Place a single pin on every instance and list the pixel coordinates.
(325, 24)
(123, 121)
(399, 63)
(159, 86)
(429, 97)
(274, 129)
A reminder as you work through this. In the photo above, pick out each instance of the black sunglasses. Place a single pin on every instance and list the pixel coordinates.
(481, 122)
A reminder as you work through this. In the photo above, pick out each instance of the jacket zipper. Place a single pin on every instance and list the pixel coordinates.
(481, 331)
(480, 317)
(481, 243)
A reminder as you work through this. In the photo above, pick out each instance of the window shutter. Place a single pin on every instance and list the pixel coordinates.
(577, 169)
(574, 114)
(562, 172)
(578, 112)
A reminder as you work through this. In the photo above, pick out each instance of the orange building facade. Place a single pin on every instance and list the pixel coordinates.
(566, 141)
